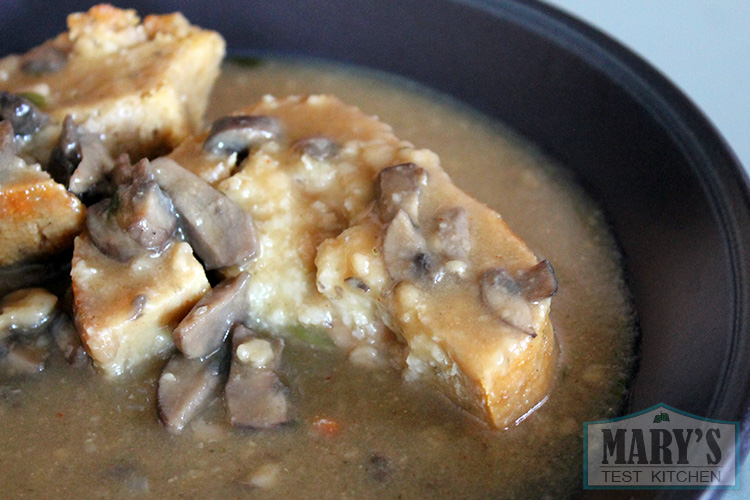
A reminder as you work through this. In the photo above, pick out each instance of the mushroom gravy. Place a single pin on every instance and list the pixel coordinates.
(357, 433)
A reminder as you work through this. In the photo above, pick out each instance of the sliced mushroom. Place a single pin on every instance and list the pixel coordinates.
(145, 212)
(398, 188)
(186, 386)
(122, 171)
(44, 59)
(66, 155)
(68, 341)
(96, 163)
(509, 296)
(235, 134)
(138, 218)
(26, 311)
(357, 283)
(320, 148)
(207, 324)
(453, 233)
(25, 117)
(25, 358)
(405, 250)
(220, 232)
(504, 296)
(539, 282)
(80, 161)
(107, 235)
(137, 306)
(8, 146)
(254, 394)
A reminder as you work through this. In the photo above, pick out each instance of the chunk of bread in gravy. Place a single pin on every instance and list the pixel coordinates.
(125, 311)
(142, 86)
(386, 272)
(38, 216)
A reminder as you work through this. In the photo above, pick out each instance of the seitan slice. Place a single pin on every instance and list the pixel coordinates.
(142, 86)
(125, 311)
(38, 216)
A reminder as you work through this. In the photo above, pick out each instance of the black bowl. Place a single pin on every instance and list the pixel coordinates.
(675, 196)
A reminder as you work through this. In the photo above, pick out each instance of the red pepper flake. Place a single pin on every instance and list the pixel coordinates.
(326, 426)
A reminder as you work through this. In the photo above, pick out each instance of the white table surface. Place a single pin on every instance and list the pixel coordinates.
(703, 47)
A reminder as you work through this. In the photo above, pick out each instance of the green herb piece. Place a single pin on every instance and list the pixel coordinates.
(36, 98)
(114, 205)
(311, 335)
(247, 61)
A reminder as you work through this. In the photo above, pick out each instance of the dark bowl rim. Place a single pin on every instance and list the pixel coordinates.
(712, 159)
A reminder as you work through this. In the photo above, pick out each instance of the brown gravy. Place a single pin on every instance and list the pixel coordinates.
(69, 433)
